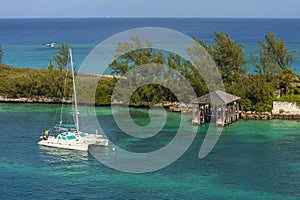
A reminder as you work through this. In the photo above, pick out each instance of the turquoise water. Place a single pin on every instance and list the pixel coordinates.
(22, 39)
(252, 160)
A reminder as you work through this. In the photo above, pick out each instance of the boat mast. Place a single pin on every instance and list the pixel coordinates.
(64, 96)
(74, 92)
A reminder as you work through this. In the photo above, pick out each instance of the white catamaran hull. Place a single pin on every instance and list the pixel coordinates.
(69, 140)
(55, 144)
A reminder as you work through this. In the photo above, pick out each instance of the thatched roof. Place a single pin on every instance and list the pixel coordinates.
(217, 98)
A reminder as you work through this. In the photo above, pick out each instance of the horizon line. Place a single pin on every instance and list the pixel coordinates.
(148, 17)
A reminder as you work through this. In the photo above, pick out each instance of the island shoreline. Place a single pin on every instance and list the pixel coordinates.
(172, 107)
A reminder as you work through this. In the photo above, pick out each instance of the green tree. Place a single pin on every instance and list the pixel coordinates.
(286, 76)
(273, 55)
(60, 83)
(62, 58)
(1, 54)
(256, 92)
(228, 56)
(277, 50)
(130, 55)
(50, 66)
(275, 60)
(187, 70)
(264, 64)
(206, 46)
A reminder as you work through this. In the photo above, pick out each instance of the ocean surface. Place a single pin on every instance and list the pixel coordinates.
(23, 39)
(252, 160)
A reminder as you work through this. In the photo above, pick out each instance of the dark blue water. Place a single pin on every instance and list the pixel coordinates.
(22, 39)
(252, 160)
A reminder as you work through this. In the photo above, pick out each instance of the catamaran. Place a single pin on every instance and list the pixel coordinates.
(70, 137)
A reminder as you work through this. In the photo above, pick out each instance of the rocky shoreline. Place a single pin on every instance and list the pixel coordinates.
(33, 100)
(172, 107)
(268, 116)
(246, 115)
(256, 115)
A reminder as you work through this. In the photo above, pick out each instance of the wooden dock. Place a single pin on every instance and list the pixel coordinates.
(219, 107)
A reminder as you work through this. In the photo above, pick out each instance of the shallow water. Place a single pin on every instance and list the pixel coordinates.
(252, 160)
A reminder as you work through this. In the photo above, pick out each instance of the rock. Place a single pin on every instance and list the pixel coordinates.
(250, 116)
(265, 117)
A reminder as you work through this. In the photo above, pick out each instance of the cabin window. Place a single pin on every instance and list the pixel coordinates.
(71, 137)
(82, 135)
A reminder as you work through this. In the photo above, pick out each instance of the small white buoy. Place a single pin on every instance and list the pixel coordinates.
(113, 148)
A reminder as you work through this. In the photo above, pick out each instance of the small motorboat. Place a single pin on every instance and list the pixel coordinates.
(52, 44)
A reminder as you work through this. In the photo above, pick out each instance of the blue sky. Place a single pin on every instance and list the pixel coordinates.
(150, 8)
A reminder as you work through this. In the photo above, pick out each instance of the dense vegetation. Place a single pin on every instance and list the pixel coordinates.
(130, 56)
(272, 76)
(272, 70)
(1, 54)
(258, 89)
(30, 83)
(54, 82)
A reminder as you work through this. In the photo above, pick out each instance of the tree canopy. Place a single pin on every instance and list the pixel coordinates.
(1, 54)
(131, 55)
(257, 89)
(272, 72)
(62, 57)
(228, 56)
